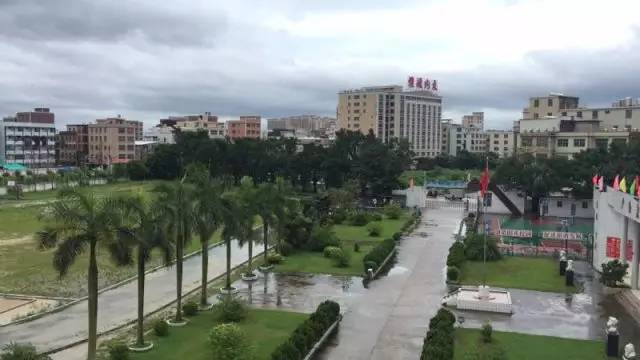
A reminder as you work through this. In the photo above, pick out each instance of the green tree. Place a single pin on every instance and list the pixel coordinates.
(228, 342)
(80, 221)
(140, 223)
(176, 201)
(246, 196)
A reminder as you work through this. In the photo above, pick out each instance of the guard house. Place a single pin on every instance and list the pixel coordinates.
(617, 230)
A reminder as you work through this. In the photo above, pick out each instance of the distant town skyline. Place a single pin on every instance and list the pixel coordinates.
(95, 59)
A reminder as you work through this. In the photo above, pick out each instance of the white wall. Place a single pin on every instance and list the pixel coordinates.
(497, 207)
(565, 210)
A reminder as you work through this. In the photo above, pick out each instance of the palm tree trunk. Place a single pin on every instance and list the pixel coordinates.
(140, 330)
(228, 241)
(205, 272)
(265, 234)
(179, 254)
(250, 268)
(93, 302)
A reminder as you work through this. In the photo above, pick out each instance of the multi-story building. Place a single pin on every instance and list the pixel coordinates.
(160, 134)
(72, 145)
(112, 140)
(556, 125)
(501, 142)
(245, 127)
(475, 120)
(205, 122)
(303, 124)
(459, 138)
(28, 138)
(392, 112)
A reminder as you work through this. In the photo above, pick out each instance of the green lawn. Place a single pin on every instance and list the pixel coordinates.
(125, 187)
(315, 262)
(517, 272)
(360, 233)
(521, 346)
(265, 329)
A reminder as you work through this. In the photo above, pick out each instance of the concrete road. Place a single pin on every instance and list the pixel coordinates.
(118, 306)
(391, 319)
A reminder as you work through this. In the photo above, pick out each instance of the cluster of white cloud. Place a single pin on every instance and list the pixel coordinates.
(146, 59)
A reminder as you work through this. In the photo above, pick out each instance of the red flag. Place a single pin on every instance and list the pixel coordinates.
(601, 183)
(594, 180)
(616, 183)
(484, 180)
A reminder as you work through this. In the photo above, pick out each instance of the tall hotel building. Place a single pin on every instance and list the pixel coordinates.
(392, 112)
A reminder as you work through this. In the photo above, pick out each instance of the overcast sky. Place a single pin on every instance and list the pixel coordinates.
(147, 59)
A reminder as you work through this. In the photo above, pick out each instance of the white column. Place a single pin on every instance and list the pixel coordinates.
(634, 263)
(625, 236)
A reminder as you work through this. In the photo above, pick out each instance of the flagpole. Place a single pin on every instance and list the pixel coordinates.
(486, 228)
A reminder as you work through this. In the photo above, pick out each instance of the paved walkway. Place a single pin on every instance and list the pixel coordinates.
(391, 320)
(118, 306)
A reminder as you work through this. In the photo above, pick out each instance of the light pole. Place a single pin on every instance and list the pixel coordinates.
(566, 238)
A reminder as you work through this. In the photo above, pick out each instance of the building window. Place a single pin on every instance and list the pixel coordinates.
(536, 102)
(564, 113)
(627, 114)
(585, 204)
(594, 114)
(579, 114)
(563, 142)
(527, 141)
(549, 102)
(559, 203)
(602, 143)
(579, 142)
(535, 115)
(549, 114)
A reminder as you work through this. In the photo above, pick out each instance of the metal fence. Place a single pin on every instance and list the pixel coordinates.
(439, 204)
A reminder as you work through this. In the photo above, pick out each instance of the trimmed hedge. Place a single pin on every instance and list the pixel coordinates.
(308, 333)
(438, 344)
(378, 254)
(456, 255)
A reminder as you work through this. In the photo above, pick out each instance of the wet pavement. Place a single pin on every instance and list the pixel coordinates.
(390, 321)
(578, 316)
(118, 306)
(300, 292)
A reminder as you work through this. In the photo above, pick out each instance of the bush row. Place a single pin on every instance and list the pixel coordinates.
(308, 333)
(438, 344)
(472, 248)
(376, 256)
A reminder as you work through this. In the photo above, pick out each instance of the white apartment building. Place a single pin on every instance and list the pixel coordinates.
(28, 138)
(501, 142)
(393, 112)
(160, 134)
(471, 137)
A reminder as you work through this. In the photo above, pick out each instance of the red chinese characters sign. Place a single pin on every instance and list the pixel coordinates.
(422, 83)
(613, 248)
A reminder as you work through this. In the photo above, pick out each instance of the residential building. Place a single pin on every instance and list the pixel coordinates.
(304, 125)
(28, 138)
(245, 127)
(552, 105)
(392, 112)
(112, 140)
(205, 122)
(501, 142)
(475, 120)
(161, 134)
(72, 145)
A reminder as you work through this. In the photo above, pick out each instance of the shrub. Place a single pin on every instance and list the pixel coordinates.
(378, 254)
(321, 237)
(339, 216)
(273, 259)
(343, 259)
(359, 219)
(230, 309)
(14, 351)
(393, 211)
(474, 248)
(374, 216)
(118, 352)
(190, 308)
(160, 328)
(456, 254)
(438, 344)
(356, 247)
(613, 272)
(228, 342)
(374, 229)
(284, 248)
(487, 330)
(370, 265)
(308, 333)
(332, 252)
(453, 273)
(396, 236)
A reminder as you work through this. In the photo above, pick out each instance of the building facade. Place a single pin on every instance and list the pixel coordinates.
(475, 120)
(28, 138)
(245, 127)
(304, 125)
(161, 134)
(392, 112)
(472, 138)
(205, 122)
(72, 145)
(501, 142)
(112, 140)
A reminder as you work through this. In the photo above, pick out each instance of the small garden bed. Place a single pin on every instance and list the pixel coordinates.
(317, 263)
(507, 345)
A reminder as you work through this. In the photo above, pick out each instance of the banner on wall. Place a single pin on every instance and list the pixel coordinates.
(562, 235)
(521, 233)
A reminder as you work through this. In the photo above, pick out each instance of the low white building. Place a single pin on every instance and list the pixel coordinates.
(617, 231)
(559, 205)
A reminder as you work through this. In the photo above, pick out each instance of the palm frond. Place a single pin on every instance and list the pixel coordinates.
(121, 253)
(67, 251)
(47, 238)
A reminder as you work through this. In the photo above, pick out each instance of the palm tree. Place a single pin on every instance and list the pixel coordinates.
(231, 213)
(141, 224)
(269, 203)
(207, 218)
(81, 221)
(246, 195)
(176, 205)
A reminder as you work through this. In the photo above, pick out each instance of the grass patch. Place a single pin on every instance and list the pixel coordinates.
(265, 329)
(349, 233)
(124, 187)
(521, 346)
(315, 262)
(539, 274)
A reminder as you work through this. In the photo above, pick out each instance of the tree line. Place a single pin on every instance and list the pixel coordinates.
(375, 165)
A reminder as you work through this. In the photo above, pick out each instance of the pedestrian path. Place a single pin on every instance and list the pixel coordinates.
(390, 320)
(119, 305)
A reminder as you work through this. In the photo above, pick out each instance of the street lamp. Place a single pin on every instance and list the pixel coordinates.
(566, 238)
